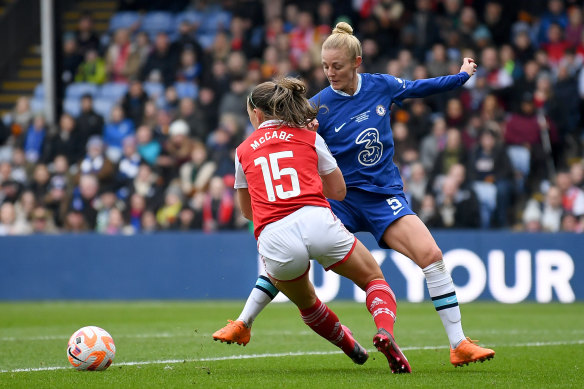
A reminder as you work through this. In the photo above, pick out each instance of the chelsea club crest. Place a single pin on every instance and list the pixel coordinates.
(380, 109)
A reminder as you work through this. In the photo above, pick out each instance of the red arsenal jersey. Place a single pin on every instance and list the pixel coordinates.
(281, 167)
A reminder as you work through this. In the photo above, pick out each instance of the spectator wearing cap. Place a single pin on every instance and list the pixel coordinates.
(115, 131)
(177, 148)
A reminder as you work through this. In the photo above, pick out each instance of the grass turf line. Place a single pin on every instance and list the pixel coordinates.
(34, 335)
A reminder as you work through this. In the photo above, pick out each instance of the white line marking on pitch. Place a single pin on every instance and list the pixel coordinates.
(269, 332)
(279, 355)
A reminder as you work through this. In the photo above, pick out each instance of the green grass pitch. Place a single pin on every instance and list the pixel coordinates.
(168, 345)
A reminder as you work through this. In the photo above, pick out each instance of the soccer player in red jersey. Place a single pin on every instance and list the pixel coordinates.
(283, 173)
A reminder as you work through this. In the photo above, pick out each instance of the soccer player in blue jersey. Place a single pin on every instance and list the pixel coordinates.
(356, 128)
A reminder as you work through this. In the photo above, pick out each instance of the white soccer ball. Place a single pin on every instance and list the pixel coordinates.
(91, 348)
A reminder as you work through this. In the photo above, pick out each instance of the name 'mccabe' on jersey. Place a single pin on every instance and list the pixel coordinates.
(281, 167)
(357, 128)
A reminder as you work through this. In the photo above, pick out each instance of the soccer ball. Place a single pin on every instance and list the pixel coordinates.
(91, 348)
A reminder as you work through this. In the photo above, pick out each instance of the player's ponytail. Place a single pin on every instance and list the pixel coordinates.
(284, 99)
(342, 37)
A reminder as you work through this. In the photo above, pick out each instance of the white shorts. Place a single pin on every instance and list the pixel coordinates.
(287, 245)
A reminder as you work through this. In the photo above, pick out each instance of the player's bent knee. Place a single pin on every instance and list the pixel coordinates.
(429, 256)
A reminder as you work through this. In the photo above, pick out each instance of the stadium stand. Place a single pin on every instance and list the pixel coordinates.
(528, 92)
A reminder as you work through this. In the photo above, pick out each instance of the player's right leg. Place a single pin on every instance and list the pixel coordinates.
(239, 331)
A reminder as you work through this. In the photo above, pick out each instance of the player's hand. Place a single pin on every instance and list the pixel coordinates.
(313, 125)
(469, 66)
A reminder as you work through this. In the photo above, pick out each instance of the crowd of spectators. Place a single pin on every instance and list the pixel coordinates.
(504, 151)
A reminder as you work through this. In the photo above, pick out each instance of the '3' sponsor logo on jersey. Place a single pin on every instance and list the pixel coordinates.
(372, 147)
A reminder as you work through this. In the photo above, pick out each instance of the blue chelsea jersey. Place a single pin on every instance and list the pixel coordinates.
(357, 128)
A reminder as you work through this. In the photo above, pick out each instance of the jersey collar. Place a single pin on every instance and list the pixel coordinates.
(340, 92)
(270, 123)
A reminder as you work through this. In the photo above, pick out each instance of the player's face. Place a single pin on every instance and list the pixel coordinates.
(340, 70)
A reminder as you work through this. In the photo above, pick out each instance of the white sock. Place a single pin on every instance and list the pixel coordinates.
(260, 296)
(441, 290)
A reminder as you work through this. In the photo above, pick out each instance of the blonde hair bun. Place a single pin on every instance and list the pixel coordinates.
(343, 28)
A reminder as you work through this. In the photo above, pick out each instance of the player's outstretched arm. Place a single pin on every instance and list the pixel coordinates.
(333, 185)
(469, 66)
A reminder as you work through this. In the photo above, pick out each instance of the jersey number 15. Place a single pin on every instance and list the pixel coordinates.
(273, 170)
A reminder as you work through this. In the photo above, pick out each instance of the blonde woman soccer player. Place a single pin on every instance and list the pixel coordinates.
(283, 172)
(357, 129)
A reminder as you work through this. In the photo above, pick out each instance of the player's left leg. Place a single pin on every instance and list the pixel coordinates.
(239, 331)
(320, 318)
(409, 236)
(363, 270)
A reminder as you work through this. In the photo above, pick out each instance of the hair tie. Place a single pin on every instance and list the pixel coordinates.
(251, 100)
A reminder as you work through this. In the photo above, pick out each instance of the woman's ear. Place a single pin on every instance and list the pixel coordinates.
(259, 115)
(358, 61)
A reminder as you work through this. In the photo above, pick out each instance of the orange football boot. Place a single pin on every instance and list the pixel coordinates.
(233, 332)
(468, 351)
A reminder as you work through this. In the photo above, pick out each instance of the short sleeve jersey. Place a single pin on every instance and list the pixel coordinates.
(357, 127)
(281, 167)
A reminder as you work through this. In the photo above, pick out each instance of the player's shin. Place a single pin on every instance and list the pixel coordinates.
(381, 304)
(441, 289)
(322, 320)
(261, 295)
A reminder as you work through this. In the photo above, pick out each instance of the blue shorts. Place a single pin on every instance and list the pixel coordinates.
(371, 212)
